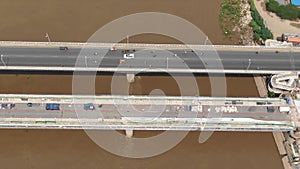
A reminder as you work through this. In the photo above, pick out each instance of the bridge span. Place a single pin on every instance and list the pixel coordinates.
(137, 58)
(145, 113)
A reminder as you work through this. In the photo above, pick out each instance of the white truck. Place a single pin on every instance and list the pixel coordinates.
(284, 109)
(128, 56)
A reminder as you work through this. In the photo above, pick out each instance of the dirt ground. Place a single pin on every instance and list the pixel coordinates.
(277, 25)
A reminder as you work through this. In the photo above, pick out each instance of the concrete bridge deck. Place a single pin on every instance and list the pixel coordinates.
(172, 58)
(145, 113)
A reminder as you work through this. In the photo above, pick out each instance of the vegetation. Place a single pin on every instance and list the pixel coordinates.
(230, 15)
(261, 32)
(289, 11)
(272, 94)
(230, 19)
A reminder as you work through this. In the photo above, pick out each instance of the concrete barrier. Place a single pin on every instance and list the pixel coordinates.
(143, 46)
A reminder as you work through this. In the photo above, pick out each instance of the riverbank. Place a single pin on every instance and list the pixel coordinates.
(261, 86)
(279, 138)
(235, 17)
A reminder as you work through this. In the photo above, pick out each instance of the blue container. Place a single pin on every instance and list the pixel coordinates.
(288, 101)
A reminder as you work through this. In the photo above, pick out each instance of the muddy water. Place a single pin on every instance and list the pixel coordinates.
(77, 20)
(62, 84)
(73, 149)
(47, 149)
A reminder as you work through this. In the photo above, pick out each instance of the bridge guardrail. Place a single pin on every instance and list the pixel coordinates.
(136, 45)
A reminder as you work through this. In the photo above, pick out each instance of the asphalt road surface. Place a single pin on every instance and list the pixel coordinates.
(99, 57)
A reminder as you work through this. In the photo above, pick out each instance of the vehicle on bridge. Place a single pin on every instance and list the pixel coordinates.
(63, 48)
(89, 106)
(7, 106)
(128, 56)
(52, 106)
(4, 106)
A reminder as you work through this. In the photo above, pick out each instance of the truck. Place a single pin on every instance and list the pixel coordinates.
(284, 109)
(128, 56)
(270, 109)
(188, 107)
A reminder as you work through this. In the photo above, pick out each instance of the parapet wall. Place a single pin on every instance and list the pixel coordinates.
(145, 46)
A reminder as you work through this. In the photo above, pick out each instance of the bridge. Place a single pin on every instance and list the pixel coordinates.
(172, 58)
(145, 113)
(129, 113)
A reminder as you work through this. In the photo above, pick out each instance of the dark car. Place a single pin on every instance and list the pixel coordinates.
(63, 48)
(261, 103)
(89, 106)
(52, 106)
(4, 106)
(270, 109)
(12, 106)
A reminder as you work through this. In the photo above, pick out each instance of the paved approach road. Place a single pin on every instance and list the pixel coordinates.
(271, 60)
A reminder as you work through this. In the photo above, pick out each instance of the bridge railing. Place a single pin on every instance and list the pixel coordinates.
(137, 45)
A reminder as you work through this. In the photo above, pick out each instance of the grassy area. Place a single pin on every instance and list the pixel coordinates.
(289, 11)
(272, 94)
(261, 32)
(230, 15)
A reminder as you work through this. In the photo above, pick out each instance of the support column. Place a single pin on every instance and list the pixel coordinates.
(260, 82)
(129, 133)
(130, 78)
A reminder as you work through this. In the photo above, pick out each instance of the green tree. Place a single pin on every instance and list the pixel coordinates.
(272, 5)
(272, 94)
(256, 37)
(289, 11)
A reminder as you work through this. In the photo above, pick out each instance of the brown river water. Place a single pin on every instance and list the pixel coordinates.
(74, 149)
(77, 20)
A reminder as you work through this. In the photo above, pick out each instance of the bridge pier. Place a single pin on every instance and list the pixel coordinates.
(129, 133)
(260, 82)
(130, 78)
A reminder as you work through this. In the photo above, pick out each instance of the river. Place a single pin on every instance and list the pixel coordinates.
(77, 20)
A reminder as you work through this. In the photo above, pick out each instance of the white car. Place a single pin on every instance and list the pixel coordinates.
(128, 56)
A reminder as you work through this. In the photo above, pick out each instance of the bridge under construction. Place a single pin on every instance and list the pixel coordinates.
(146, 113)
